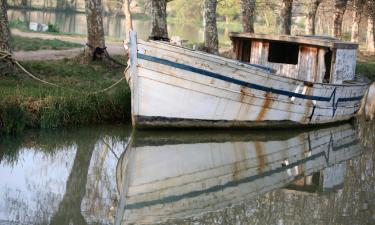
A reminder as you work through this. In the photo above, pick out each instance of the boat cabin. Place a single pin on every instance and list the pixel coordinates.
(310, 58)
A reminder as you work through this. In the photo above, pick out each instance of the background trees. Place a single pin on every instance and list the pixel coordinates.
(286, 16)
(312, 6)
(339, 10)
(248, 15)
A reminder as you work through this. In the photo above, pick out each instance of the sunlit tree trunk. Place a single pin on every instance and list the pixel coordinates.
(128, 18)
(4, 28)
(310, 18)
(286, 16)
(248, 15)
(340, 7)
(95, 30)
(211, 39)
(159, 29)
(370, 34)
(357, 13)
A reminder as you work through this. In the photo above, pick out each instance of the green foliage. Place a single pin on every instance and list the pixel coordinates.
(19, 24)
(13, 118)
(33, 44)
(53, 28)
(185, 11)
(229, 9)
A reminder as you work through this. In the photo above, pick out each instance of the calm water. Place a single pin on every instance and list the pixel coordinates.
(113, 25)
(111, 175)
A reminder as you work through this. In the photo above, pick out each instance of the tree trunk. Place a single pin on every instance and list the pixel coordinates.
(4, 29)
(370, 35)
(159, 20)
(211, 39)
(357, 11)
(248, 15)
(340, 7)
(128, 18)
(95, 30)
(310, 19)
(6, 65)
(286, 16)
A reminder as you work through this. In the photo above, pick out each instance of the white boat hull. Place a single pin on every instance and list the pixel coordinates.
(173, 86)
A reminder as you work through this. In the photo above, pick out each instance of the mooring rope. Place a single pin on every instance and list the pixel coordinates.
(5, 55)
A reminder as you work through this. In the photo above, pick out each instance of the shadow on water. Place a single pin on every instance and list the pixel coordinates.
(81, 176)
(88, 152)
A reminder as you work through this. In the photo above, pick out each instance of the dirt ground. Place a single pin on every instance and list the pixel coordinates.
(113, 48)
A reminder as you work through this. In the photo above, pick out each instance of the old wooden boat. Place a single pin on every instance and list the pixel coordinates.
(169, 176)
(273, 81)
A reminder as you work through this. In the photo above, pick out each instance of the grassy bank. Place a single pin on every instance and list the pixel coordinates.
(366, 65)
(26, 103)
(32, 44)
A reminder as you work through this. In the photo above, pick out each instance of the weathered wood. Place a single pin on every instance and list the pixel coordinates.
(316, 41)
(169, 91)
(344, 65)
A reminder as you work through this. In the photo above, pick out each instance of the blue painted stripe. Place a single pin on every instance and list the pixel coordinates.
(246, 84)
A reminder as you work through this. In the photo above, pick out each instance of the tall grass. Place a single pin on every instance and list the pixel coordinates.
(25, 103)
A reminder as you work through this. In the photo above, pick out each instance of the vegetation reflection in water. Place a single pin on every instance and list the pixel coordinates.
(321, 176)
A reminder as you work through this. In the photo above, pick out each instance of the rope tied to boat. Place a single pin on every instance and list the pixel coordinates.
(7, 56)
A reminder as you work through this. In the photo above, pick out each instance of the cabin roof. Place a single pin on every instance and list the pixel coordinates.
(322, 41)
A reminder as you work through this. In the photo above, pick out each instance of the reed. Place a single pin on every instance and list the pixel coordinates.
(25, 103)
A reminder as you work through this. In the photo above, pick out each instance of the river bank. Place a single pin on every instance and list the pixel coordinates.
(27, 103)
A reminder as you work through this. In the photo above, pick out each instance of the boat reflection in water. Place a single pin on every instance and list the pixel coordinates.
(168, 176)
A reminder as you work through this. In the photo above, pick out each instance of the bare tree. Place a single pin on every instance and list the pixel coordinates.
(340, 7)
(313, 6)
(248, 15)
(370, 39)
(95, 30)
(6, 66)
(159, 19)
(211, 39)
(286, 16)
(128, 17)
(357, 14)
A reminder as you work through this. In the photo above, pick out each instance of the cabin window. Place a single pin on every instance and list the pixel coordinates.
(327, 63)
(282, 52)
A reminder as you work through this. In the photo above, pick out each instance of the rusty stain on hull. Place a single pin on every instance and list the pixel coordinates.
(265, 107)
(260, 156)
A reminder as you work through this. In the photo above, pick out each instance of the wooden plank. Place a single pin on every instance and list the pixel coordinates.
(315, 40)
